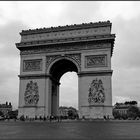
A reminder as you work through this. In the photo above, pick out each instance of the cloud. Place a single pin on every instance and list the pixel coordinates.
(125, 60)
(9, 35)
(126, 10)
(40, 14)
(121, 99)
(9, 86)
(9, 62)
(69, 90)
(45, 14)
(79, 12)
(9, 82)
(125, 18)
(126, 43)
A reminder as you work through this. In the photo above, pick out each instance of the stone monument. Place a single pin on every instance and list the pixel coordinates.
(47, 53)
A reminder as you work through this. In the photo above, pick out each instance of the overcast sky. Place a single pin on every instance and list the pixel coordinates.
(125, 18)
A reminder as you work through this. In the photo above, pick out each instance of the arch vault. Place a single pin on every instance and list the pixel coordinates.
(46, 54)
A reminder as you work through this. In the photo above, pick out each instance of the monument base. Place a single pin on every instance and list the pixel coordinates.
(31, 112)
(96, 112)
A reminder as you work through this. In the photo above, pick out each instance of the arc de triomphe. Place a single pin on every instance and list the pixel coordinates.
(47, 53)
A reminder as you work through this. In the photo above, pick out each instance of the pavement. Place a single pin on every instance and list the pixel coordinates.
(71, 130)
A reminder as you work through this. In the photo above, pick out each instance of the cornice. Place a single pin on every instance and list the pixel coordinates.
(96, 73)
(97, 105)
(31, 106)
(66, 27)
(66, 40)
(34, 76)
(78, 46)
(38, 76)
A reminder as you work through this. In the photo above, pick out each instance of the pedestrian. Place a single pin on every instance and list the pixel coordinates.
(44, 118)
(15, 119)
(104, 117)
(58, 117)
(108, 117)
(50, 118)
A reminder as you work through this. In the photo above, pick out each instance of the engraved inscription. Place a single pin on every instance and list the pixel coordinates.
(32, 65)
(96, 61)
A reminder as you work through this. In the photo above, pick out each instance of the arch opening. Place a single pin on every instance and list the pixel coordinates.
(69, 90)
(57, 70)
(62, 66)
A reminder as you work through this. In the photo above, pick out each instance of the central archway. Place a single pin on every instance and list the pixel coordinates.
(57, 69)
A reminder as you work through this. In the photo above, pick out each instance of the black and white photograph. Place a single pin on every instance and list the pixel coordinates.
(70, 70)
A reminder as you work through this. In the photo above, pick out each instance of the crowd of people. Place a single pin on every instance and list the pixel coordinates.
(50, 118)
(40, 118)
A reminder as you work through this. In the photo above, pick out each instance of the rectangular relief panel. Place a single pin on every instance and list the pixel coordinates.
(96, 61)
(32, 65)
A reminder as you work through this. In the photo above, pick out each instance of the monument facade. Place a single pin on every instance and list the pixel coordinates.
(47, 53)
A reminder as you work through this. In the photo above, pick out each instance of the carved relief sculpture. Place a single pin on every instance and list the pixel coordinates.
(31, 95)
(96, 92)
(50, 59)
(67, 47)
(75, 57)
(96, 61)
(32, 65)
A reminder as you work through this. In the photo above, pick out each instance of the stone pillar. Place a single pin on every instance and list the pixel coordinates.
(95, 89)
(32, 95)
(53, 98)
(95, 96)
(57, 106)
(47, 98)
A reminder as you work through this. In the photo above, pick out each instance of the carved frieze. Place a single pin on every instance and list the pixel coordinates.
(64, 48)
(95, 61)
(66, 34)
(32, 65)
(96, 92)
(50, 59)
(31, 95)
(75, 57)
